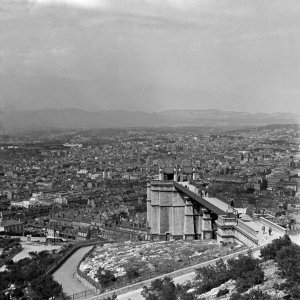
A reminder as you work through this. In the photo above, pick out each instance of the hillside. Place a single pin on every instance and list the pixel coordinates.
(75, 118)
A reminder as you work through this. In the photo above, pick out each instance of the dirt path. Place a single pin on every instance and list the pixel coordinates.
(34, 247)
(28, 247)
(64, 275)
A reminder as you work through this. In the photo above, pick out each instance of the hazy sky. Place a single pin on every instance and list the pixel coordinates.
(150, 55)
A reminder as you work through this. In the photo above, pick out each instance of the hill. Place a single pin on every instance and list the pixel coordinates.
(76, 118)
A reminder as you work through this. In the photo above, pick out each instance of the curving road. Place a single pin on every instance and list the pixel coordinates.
(64, 275)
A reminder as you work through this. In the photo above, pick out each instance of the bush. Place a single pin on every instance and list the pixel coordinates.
(246, 271)
(253, 295)
(270, 251)
(222, 292)
(288, 259)
(105, 277)
(160, 289)
(211, 276)
(132, 273)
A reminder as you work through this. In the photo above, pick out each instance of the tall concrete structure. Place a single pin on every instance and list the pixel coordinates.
(173, 214)
(183, 210)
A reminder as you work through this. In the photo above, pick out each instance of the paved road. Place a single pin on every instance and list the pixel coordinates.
(136, 295)
(64, 275)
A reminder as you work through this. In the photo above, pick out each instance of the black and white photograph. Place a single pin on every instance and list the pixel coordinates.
(149, 150)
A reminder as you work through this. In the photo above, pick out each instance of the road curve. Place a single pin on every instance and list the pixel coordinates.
(64, 275)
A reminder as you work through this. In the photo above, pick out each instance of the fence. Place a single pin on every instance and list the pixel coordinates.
(84, 294)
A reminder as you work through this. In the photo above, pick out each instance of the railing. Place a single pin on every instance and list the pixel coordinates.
(84, 294)
(293, 232)
(199, 199)
(246, 228)
(224, 221)
(273, 225)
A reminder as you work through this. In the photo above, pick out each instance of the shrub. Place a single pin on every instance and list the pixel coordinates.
(105, 277)
(160, 289)
(246, 271)
(222, 292)
(211, 276)
(253, 295)
(132, 273)
(269, 251)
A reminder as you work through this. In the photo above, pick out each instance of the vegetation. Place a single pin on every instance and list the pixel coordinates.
(270, 251)
(165, 289)
(244, 270)
(26, 279)
(9, 248)
(253, 295)
(287, 256)
(105, 277)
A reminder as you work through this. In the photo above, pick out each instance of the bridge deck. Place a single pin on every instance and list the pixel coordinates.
(213, 204)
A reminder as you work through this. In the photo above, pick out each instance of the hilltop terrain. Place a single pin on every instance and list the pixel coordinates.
(77, 118)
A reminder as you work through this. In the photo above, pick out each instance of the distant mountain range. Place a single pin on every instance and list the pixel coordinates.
(76, 118)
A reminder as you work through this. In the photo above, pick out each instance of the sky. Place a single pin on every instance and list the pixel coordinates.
(150, 55)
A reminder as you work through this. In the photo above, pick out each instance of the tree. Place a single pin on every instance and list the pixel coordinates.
(270, 250)
(105, 277)
(160, 289)
(45, 287)
(245, 271)
(264, 184)
(210, 277)
(132, 273)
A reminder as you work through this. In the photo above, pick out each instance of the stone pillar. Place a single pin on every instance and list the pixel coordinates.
(198, 223)
(175, 175)
(149, 210)
(207, 231)
(161, 174)
(194, 174)
(179, 177)
(188, 228)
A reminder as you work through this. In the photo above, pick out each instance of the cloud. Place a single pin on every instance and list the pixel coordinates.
(88, 4)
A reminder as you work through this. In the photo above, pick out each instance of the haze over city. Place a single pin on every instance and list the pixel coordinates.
(150, 55)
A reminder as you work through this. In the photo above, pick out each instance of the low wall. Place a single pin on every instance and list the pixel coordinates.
(91, 283)
(246, 228)
(273, 225)
(72, 251)
(246, 234)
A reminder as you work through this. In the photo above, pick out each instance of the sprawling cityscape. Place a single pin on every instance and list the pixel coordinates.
(149, 150)
(73, 191)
